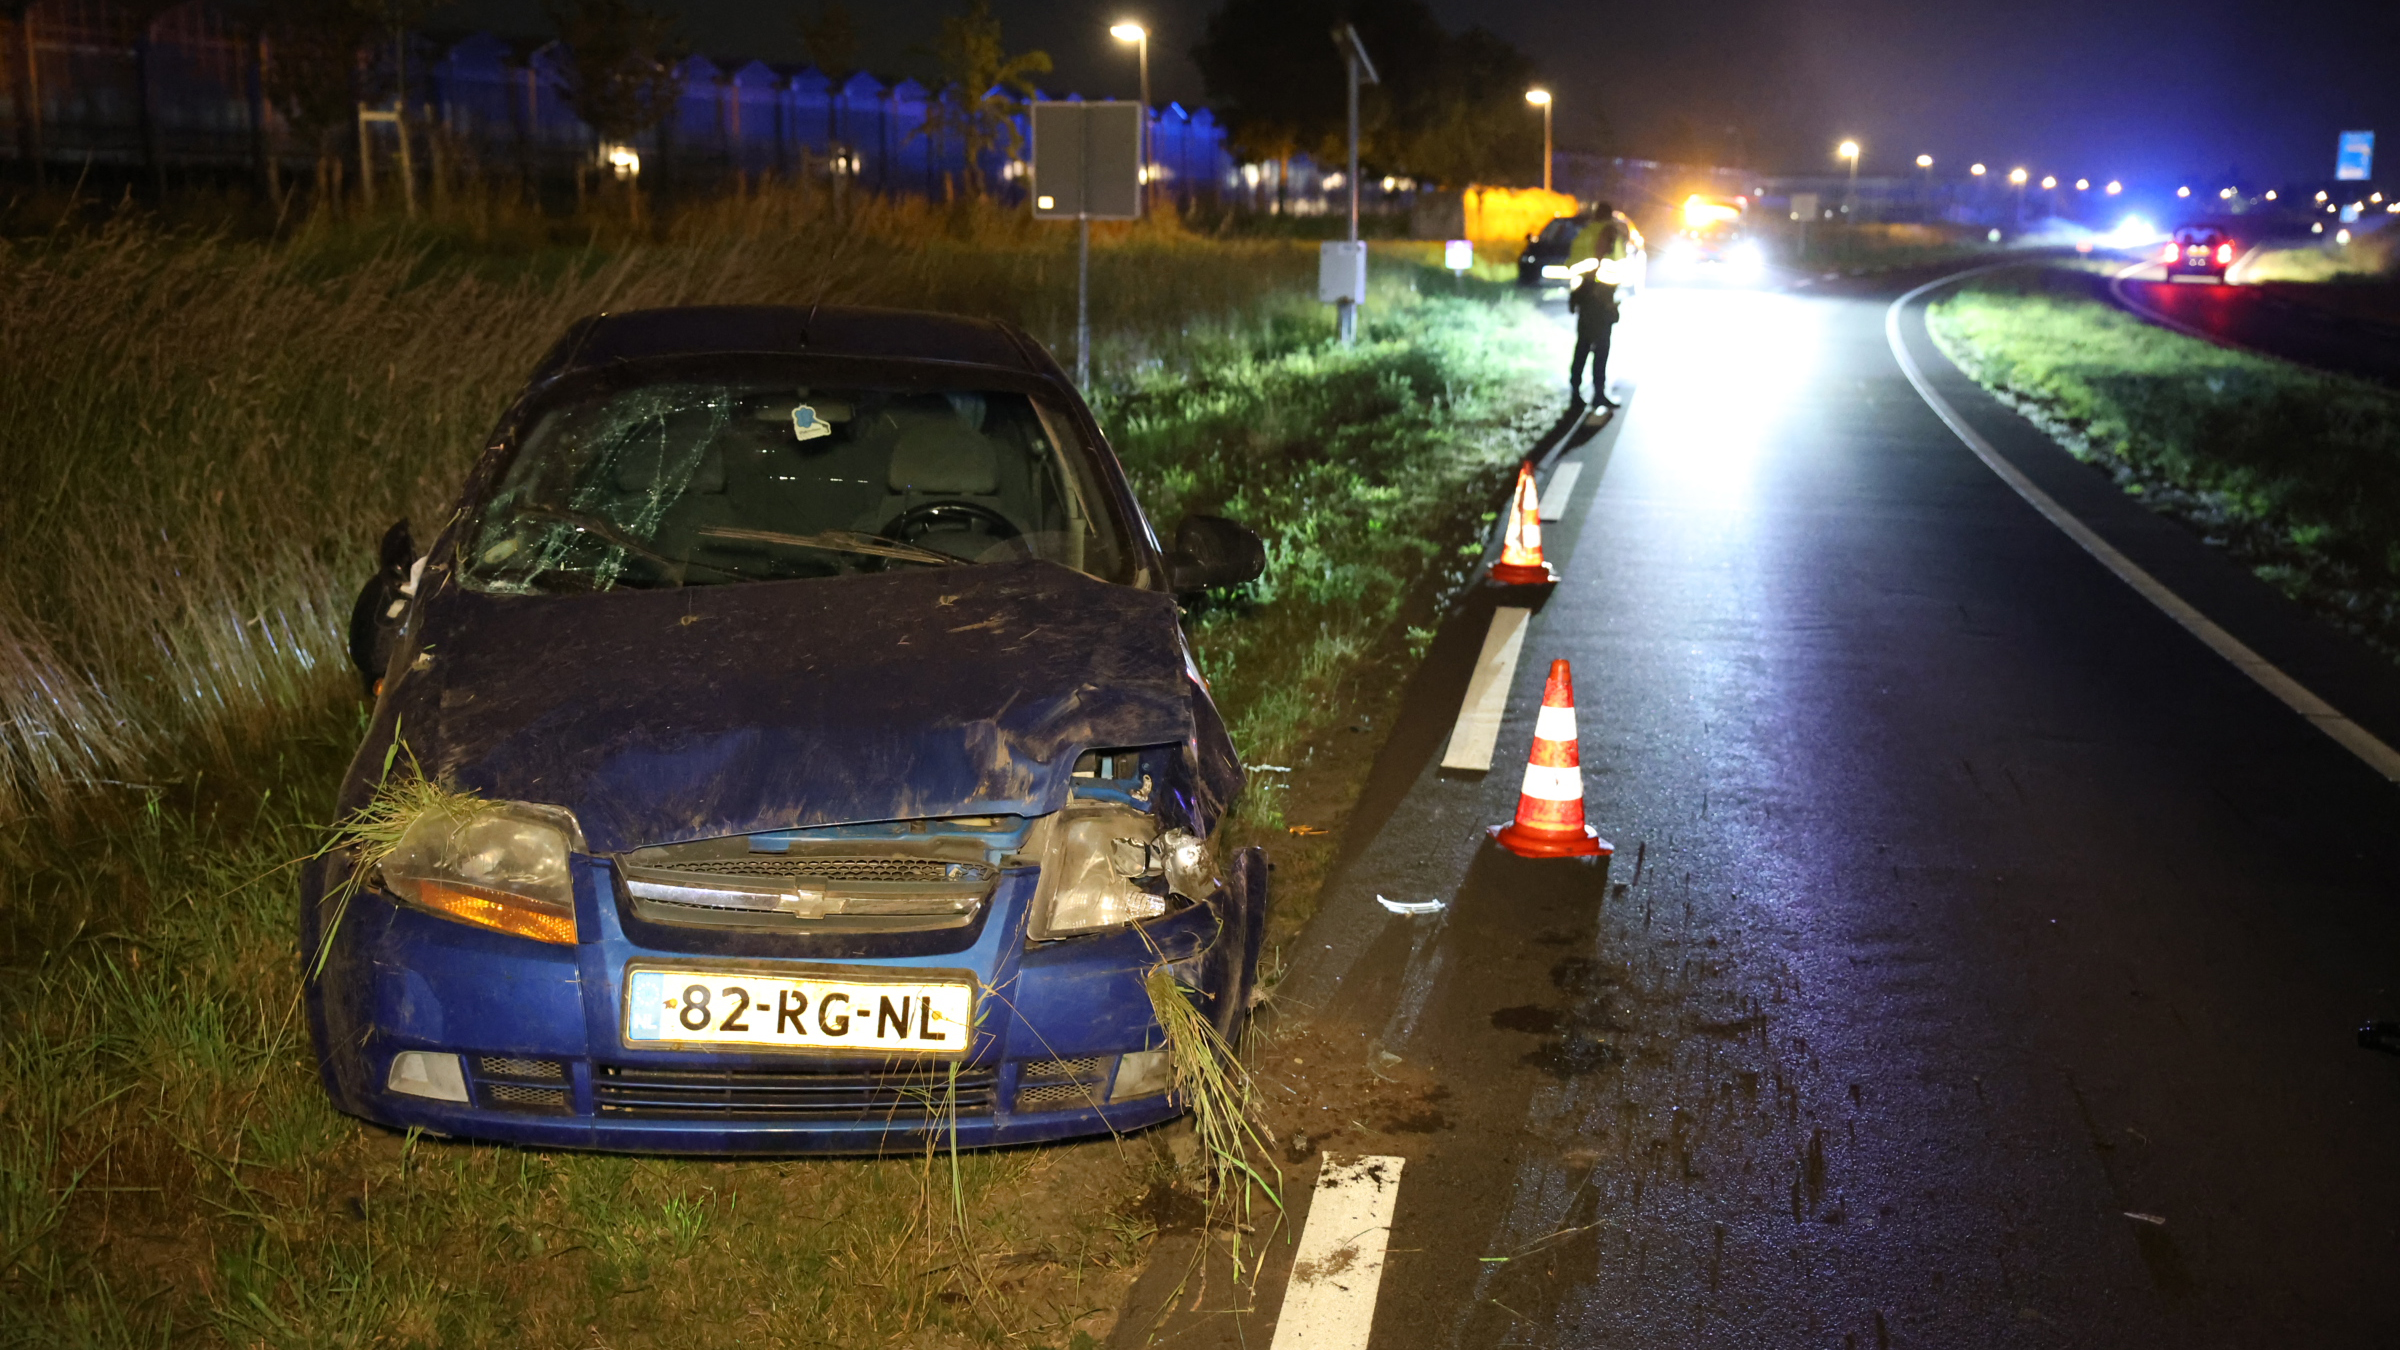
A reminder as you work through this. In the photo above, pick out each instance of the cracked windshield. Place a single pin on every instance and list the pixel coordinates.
(699, 481)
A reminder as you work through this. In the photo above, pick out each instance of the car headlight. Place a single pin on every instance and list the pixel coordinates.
(502, 866)
(1110, 867)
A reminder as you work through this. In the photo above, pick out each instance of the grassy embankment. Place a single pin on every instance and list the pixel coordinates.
(2367, 257)
(2296, 473)
(202, 439)
(1860, 249)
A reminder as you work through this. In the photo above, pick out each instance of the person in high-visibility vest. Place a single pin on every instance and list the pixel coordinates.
(1594, 303)
(1602, 239)
(1593, 300)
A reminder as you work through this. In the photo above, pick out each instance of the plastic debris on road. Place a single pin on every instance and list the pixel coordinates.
(1411, 906)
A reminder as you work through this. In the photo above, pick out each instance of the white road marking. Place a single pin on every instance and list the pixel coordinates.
(1338, 1266)
(1562, 486)
(1477, 730)
(2353, 737)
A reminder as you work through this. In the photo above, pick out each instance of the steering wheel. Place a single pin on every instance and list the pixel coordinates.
(949, 517)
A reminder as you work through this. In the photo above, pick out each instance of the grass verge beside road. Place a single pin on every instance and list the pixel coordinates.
(2297, 473)
(210, 434)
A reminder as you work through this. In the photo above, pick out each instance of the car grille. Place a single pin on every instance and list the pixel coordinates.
(517, 1096)
(1083, 1070)
(909, 1096)
(1052, 1096)
(501, 1066)
(938, 870)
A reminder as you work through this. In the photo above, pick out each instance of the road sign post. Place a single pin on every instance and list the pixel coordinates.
(1339, 259)
(1087, 166)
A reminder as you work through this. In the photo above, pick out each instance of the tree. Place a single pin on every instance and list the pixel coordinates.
(624, 64)
(1448, 108)
(987, 87)
(1271, 67)
(311, 74)
(831, 39)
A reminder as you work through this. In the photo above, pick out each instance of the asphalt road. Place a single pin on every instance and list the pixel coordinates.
(2271, 318)
(1981, 958)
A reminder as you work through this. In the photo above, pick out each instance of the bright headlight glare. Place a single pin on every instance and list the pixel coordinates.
(1089, 879)
(502, 867)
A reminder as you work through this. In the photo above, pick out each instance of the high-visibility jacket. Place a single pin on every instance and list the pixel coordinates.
(1602, 238)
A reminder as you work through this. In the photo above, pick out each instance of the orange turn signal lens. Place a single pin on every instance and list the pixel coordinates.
(496, 910)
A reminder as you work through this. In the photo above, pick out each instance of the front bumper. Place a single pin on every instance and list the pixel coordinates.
(536, 1030)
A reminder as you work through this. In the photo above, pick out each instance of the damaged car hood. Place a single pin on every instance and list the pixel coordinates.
(664, 715)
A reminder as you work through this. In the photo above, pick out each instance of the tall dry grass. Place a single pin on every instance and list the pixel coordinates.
(202, 436)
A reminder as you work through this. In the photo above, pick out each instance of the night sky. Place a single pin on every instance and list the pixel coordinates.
(2145, 90)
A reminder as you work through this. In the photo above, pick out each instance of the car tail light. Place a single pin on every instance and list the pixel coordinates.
(2224, 253)
(2168, 255)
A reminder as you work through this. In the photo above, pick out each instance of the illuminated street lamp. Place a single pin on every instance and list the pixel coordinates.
(1540, 98)
(2016, 177)
(1849, 150)
(2115, 187)
(2083, 185)
(2049, 182)
(1924, 161)
(1129, 31)
(2183, 192)
(1976, 169)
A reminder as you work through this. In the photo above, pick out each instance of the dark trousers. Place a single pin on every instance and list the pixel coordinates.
(1595, 346)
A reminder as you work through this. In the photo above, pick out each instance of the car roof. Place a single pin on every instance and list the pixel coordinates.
(791, 330)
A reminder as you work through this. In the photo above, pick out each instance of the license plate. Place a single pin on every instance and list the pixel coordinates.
(776, 1012)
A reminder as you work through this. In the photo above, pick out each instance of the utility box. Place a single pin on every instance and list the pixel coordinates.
(1342, 272)
(1087, 161)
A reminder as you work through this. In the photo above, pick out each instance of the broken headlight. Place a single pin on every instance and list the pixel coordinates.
(1113, 866)
(502, 866)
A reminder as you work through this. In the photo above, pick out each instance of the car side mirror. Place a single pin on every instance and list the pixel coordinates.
(1213, 551)
(372, 622)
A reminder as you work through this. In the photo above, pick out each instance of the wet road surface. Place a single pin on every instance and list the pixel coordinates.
(1981, 956)
(2274, 319)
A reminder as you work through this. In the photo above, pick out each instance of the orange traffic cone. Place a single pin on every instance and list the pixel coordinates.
(1549, 821)
(1521, 549)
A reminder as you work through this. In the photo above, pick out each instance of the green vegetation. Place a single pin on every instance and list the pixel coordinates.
(2296, 472)
(2368, 257)
(204, 438)
(1880, 248)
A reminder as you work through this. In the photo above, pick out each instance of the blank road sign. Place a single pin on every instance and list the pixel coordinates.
(1087, 161)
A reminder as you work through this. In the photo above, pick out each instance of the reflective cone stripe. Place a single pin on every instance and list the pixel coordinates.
(1521, 547)
(1549, 821)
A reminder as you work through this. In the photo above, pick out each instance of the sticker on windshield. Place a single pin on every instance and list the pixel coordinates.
(807, 426)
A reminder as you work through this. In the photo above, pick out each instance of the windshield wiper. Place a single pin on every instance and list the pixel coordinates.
(835, 541)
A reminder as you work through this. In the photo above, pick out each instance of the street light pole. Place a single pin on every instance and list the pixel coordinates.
(1540, 98)
(1129, 31)
(1356, 64)
(1849, 151)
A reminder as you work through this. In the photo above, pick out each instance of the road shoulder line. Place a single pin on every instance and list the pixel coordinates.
(1476, 733)
(1338, 1267)
(1559, 490)
(2357, 739)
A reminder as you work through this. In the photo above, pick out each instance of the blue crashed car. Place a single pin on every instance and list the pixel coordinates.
(839, 767)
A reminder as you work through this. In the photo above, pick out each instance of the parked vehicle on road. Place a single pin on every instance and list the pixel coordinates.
(819, 761)
(2197, 251)
(1548, 262)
